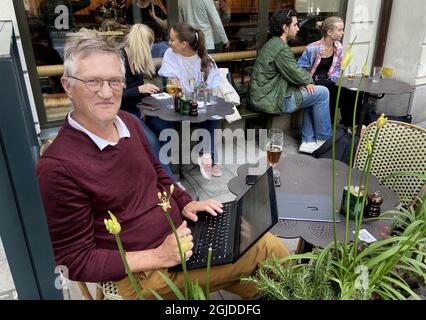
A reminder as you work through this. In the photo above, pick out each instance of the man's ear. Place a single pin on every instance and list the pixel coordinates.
(66, 85)
(285, 29)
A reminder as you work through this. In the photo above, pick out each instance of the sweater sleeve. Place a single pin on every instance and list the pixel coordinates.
(71, 225)
(287, 66)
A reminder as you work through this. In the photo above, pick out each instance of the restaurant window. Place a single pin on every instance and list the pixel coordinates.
(244, 22)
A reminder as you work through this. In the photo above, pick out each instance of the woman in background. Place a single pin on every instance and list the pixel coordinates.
(138, 62)
(188, 58)
(323, 58)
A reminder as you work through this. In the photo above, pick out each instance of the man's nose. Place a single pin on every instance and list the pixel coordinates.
(105, 91)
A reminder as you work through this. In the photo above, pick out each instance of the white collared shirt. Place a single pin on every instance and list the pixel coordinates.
(123, 132)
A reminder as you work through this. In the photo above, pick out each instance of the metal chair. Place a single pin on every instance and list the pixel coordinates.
(104, 291)
(400, 148)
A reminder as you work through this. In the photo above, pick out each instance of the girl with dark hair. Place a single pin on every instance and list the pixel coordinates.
(188, 59)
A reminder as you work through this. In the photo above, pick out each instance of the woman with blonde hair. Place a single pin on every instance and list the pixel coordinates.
(323, 58)
(138, 62)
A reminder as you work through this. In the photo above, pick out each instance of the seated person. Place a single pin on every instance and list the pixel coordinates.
(138, 61)
(279, 85)
(322, 59)
(101, 161)
(187, 58)
(153, 14)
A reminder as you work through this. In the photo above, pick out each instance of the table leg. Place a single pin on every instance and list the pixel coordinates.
(182, 173)
(364, 110)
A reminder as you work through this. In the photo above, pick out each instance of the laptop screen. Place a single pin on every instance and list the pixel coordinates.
(258, 211)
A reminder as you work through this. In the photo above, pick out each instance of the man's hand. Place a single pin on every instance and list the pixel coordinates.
(148, 88)
(227, 45)
(211, 206)
(169, 251)
(310, 88)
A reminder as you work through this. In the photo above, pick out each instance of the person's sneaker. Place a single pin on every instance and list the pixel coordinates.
(217, 170)
(205, 163)
(320, 142)
(308, 147)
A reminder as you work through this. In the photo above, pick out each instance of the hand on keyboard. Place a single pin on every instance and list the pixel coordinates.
(211, 206)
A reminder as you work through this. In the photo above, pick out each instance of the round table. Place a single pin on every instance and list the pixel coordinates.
(220, 109)
(305, 174)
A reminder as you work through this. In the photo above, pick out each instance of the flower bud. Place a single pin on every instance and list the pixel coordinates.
(382, 121)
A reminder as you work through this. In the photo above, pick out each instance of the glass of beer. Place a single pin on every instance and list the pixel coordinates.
(172, 88)
(274, 148)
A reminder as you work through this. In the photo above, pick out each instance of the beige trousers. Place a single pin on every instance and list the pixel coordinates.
(223, 277)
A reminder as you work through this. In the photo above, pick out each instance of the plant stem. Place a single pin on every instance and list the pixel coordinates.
(333, 152)
(133, 280)
(351, 162)
(209, 261)
(182, 256)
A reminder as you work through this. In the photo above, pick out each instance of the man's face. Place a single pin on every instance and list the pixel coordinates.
(95, 108)
(292, 30)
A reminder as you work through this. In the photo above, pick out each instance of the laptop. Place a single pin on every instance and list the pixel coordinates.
(237, 229)
(307, 207)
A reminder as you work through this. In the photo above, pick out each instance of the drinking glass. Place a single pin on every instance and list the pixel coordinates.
(172, 88)
(352, 72)
(274, 148)
(377, 73)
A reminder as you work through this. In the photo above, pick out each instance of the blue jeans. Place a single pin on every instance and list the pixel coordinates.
(159, 125)
(155, 146)
(316, 116)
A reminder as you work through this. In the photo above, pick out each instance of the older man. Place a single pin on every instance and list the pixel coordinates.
(101, 161)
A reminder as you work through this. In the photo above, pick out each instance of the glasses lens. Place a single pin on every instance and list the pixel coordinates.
(116, 84)
(94, 85)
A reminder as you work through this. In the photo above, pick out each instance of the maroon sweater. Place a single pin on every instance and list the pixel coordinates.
(79, 184)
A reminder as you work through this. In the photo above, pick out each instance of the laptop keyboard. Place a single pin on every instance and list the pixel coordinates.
(218, 235)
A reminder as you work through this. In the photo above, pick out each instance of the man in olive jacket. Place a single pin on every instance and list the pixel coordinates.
(279, 85)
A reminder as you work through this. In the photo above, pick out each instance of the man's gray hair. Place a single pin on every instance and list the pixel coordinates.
(85, 42)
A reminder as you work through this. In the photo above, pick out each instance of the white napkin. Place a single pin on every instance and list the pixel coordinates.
(161, 96)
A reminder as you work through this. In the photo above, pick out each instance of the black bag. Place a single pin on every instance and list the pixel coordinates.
(343, 147)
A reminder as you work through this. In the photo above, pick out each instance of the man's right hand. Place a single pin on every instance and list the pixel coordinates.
(169, 250)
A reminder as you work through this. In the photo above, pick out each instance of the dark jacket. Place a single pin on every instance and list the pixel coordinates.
(276, 75)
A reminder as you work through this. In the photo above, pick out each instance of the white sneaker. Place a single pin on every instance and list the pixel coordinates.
(320, 142)
(205, 163)
(308, 147)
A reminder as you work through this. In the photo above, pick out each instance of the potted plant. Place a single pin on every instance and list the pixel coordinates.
(354, 270)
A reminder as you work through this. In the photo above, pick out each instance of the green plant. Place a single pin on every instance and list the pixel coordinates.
(192, 291)
(359, 270)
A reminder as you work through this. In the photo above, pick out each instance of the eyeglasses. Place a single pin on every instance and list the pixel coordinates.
(95, 84)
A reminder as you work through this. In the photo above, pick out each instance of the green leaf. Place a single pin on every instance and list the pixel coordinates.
(172, 286)
(403, 285)
(156, 295)
(395, 293)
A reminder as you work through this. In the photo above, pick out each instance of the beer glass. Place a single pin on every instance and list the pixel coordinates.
(274, 148)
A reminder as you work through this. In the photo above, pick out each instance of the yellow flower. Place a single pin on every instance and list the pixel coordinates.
(112, 225)
(369, 147)
(348, 56)
(382, 121)
(365, 68)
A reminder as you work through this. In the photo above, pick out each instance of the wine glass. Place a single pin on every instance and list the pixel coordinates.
(172, 88)
(274, 148)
